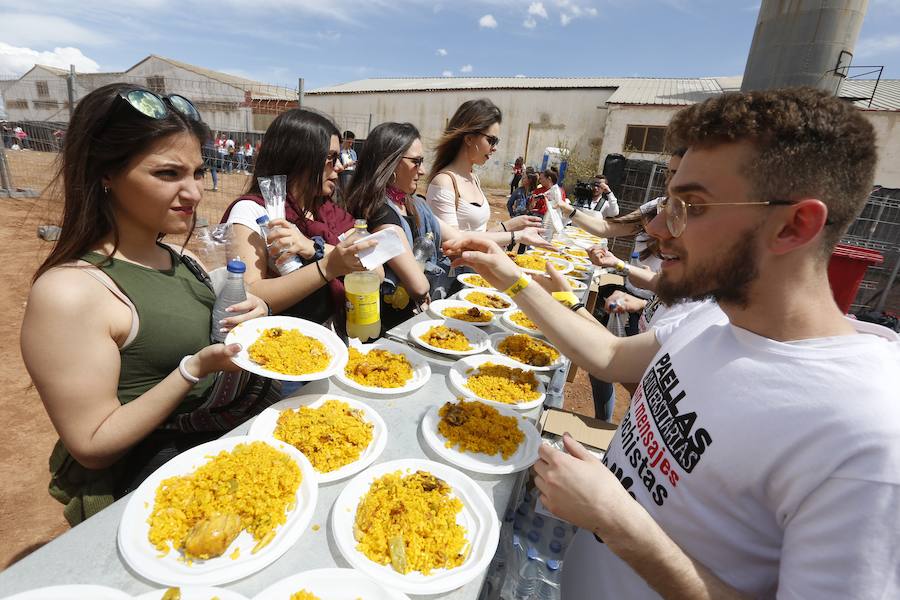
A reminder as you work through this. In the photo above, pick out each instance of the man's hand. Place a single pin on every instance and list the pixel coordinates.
(579, 488)
(486, 257)
(622, 302)
(602, 257)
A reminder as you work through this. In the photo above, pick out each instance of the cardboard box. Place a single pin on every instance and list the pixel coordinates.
(595, 433)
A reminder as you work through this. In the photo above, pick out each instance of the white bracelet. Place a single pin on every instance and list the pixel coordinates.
(184, 372)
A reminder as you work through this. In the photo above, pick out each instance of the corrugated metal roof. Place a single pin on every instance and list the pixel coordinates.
(665, 91)
(887, 93)
(431, 84)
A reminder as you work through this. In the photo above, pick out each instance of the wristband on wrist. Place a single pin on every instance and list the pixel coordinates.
(184, 372)
(574, 210)
(319, 268)
(518, 286)
(503, 225)
(567, 298)
(577, 306)
(620, 266)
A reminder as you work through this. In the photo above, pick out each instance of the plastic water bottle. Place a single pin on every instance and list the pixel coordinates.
(555, 389)
(548, 229)
(616, 322)
(549, 588)
(529, 574)
(232, 293)
(424, 249)
(635, 259)
(284, 262)
(516, 558)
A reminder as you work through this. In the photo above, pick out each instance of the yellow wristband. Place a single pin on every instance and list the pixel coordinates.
(567, 298)
(620, 266)
(518, 286)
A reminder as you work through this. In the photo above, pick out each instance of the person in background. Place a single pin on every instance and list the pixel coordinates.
(239, 156)
(518, 168)
(549, 179)
(117, 326)
(304, 145)
(740, 469)
(603, 200)
(211, 161)
(248, 157)
(221, 151)
(348, 158)
(454, 191)
(383, 193)
(229, 154)
(517, 204)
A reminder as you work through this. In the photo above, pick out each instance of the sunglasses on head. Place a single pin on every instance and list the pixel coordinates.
(493, 140)
(151, 104)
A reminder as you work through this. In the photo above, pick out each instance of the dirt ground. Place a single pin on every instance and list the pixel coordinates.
(29, 517)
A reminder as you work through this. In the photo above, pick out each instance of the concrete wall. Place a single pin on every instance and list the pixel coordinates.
(574, 116)
(25, 88)
(620, 116)
(887, 130)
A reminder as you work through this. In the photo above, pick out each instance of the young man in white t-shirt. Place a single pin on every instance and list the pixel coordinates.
(760, 455)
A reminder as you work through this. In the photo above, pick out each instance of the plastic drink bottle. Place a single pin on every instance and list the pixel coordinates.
(363, 302)
(232, 293)
(424, 249)
(284, 262)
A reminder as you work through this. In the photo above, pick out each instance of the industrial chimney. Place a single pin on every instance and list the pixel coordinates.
(803, 42)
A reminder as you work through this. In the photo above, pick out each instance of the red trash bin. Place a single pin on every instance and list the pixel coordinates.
(846, 270)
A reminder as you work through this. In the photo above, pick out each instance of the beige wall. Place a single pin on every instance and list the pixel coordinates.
(887, 131)
(620, 116)
(577, 116)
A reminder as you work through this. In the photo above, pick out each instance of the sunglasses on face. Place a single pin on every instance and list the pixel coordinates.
(416, 160)
(676, 209)
(333, 158)
(153, 105)
(493, 140)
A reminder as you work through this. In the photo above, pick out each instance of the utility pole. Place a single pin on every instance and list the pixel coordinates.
(70, 84)
(300, 93)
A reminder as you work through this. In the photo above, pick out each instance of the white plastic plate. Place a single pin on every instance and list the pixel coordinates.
(72, 592)
(466, 366)
(496, 338)
(421, 370)
(195, 593)
(463, 295)
(477, 338)
(333, 584)
(249, 331)
(143, 557)
(493, 464)
(436, 306)
(506, 320)
(263, 426)
(478, 516)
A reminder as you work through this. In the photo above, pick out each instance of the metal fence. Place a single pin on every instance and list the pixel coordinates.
(877, 228)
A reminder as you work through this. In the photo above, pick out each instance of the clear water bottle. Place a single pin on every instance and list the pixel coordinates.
(232, 293)
(616, 322)
(548, 230)
(635, 259)
(424, 249)
(284, 262)
(549, 587)
(529, 574)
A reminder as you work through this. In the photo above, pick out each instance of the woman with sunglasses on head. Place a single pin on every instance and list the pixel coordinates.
(117, 327)
(305, 146)
(382, 192)
(454, 191)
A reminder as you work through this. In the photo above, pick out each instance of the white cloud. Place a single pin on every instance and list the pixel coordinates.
(529, 23)
(465, 69)
(441, 52)
(488, 22)
(331, 36)
(446, 73)
(537, 9)
(31, 30)
(16, 60)
(592, 12)
(874, 46)
(520, 75)
(565, 19)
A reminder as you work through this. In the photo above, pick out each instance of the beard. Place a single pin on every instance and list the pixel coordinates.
(725, 278)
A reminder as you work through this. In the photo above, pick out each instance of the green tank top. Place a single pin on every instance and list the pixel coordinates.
(174, 312)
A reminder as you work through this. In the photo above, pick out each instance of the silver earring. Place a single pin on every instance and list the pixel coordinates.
(105, 189)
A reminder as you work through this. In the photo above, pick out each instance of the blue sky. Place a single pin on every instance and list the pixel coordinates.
(328, 42)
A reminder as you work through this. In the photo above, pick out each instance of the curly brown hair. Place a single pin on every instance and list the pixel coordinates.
(808, 144)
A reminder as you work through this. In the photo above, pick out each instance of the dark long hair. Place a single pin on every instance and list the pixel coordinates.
(105, 134)
(378, 159)
(296, 144)
(472, 116)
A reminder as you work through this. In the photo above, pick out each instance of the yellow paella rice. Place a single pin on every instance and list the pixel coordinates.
(529, 261)
(472, 314)
(522, 320)
(378, 368)
(441, 336)
(251, 487)
(409, 522)
(477, 427)
(288, 351)
(330, 436)
(528, 350)
(304, 595)
(503, 384)
(574, 283)
(477, 280)
(577, 251)
(489, 300)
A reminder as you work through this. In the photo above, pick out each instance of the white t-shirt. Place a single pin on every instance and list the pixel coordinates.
(245, 213)
(656, 314)
(776, 465)
(466, 216)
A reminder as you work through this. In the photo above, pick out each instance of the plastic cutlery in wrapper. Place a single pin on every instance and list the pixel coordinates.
(273, 192)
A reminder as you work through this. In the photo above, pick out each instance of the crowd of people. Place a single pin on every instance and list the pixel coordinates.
(758, 455)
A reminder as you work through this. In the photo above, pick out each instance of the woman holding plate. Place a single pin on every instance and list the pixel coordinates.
(117, 326)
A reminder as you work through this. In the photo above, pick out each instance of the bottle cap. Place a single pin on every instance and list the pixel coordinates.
(534, 536)
(262, 220)
(553, 564)
(635, 254)
(559, 531)
(555, 546)
(532, 552)
(361, 224)
(538, 521)
(236, 266)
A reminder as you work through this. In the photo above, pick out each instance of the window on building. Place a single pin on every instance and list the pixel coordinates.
(19, 104)
(157, 83)
(45, 104)
(645, 138)
(43, 89)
